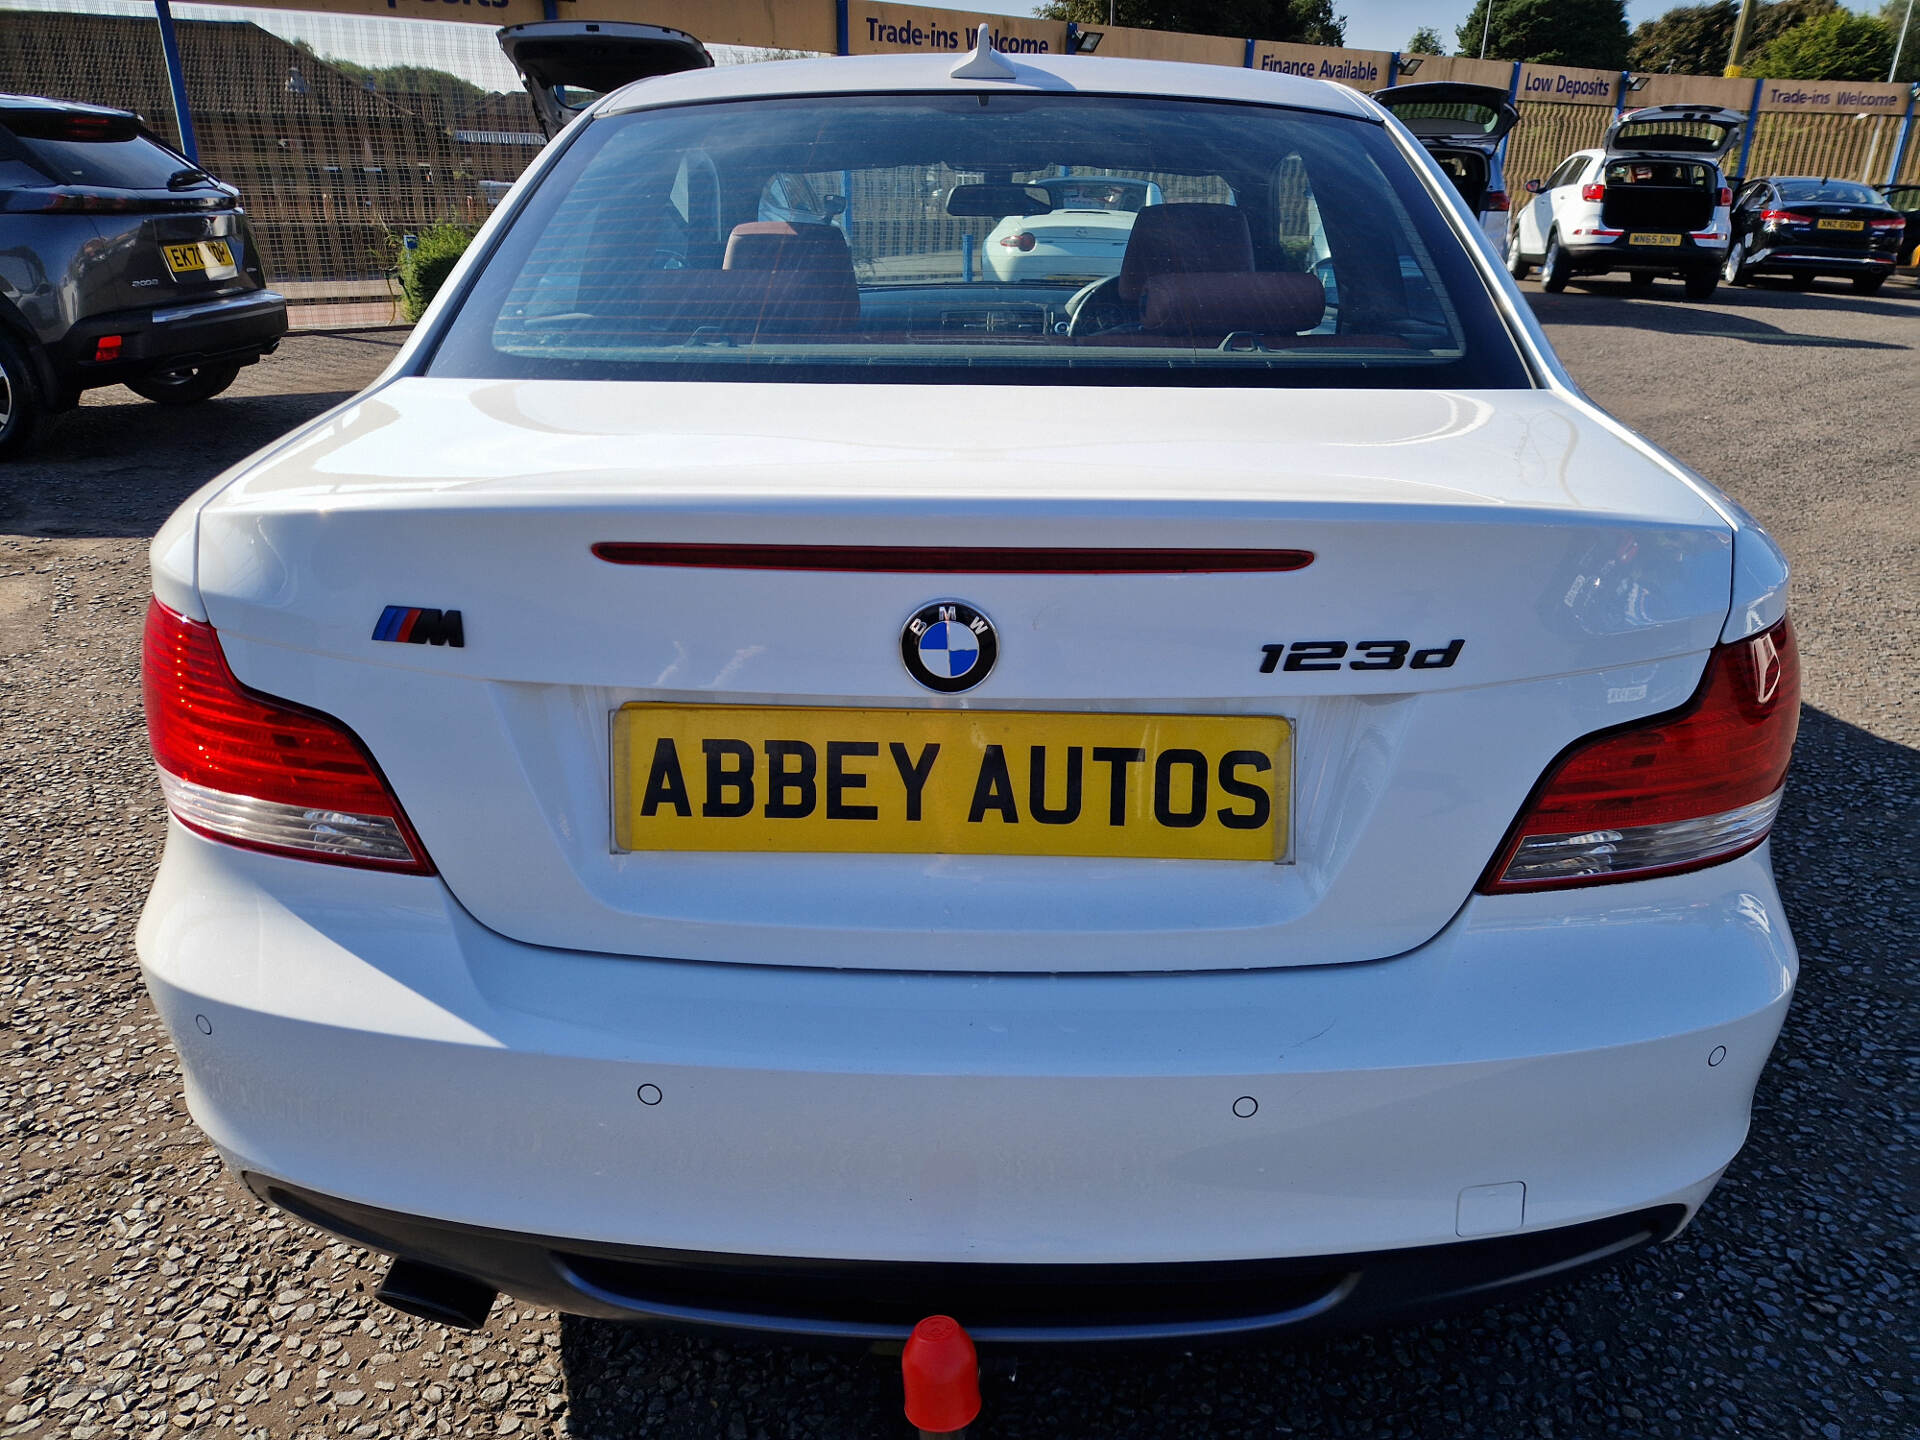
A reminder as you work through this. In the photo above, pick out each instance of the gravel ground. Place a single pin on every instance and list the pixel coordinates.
(142, 1292)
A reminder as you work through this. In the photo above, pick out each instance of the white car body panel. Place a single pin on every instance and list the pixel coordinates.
(1587, 587)
(1560, 1041)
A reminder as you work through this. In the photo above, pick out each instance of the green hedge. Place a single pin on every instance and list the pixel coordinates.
(424, 269)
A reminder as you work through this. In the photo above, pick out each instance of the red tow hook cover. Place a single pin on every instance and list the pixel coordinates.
(942, 1376)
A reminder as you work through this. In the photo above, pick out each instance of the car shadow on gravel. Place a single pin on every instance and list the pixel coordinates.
(1601, 303)
(1778, 1312)
(119, 469)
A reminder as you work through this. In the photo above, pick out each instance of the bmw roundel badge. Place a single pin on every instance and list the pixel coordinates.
(948, 646)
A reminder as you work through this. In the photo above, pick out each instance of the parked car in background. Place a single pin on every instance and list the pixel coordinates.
(1651, 202)
(121, 262)
(795, 791)
(1463, 128)
(1804, 227)
(1082, 238)
(1905, 199)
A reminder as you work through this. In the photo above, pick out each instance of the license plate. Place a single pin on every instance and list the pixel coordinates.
(209, 256)
(959, 782)
(1653, 239)
(1840, 225)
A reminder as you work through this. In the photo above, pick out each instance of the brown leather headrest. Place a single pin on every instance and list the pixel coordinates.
(1211, 307)
(779, 245)
(1182, 239)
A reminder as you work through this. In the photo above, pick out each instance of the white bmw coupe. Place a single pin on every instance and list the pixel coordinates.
(749, 781)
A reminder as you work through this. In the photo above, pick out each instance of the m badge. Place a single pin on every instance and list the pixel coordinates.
(412, 625)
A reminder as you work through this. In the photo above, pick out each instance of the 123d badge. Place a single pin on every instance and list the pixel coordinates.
(948, 646)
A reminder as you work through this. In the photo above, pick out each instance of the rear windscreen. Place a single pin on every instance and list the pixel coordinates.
(943, 237)
(1661, 132)
(82, 149)
(1828, 192)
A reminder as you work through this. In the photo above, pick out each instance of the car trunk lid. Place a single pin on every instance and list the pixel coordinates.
(1453, 115)
(1490, 577)
(1702, 132)
(1846, 227)
(568, 64)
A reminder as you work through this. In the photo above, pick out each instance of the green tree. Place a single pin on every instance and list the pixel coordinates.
(1305, 22)
(1426, 41)
(1687, 40)
(1840, 46)
(1697, 39)
(1550, 32)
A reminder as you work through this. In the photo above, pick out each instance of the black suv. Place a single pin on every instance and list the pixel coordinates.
(121, 263)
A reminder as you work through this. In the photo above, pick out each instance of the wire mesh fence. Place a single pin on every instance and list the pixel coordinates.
(1548, 132)
(339, 151)
(348, 134)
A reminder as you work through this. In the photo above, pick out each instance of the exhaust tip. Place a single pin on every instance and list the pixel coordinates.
(444, 1297)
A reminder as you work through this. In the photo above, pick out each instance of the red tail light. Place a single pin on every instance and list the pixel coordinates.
(1499, 200)
(1690, 788)
(1726, 196)
(1896, 223)
(1593, 192)
(1019, 241)
(261, 772)
(1785, 217)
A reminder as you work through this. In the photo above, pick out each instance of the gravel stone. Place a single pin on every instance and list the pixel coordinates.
(143, 1292)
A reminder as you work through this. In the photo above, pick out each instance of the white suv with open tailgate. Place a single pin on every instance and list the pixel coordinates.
(1651, 202)
(755, 780)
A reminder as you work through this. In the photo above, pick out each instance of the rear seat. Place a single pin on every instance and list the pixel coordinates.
(777, 280)
(1189, 270)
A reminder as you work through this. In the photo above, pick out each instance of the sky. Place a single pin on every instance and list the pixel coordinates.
(1389, 24)
(471, 52)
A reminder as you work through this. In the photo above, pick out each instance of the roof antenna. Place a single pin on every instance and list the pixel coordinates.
(985, 63)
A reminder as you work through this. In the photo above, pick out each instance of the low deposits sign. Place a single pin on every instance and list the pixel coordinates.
(1568, 87)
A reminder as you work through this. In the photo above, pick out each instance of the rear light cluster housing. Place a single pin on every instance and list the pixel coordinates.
(1683, 790)
(1019, 240)
(260, 772)
(1593, 192)
(1680, 791)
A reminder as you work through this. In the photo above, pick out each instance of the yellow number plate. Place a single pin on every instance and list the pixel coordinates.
(201, 255)
(978, 782)
(1653, 239)
(1840, 225)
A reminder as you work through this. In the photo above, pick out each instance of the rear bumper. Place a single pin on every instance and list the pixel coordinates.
(1804, 258)
(843, 1300)
(236, 328)
(1688, 256)
(1546, 1062)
